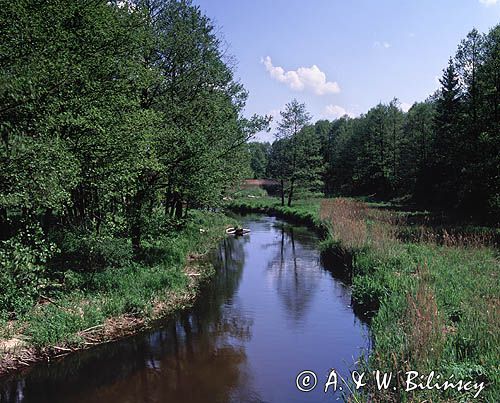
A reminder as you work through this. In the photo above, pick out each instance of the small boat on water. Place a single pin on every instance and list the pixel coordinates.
(237, 231)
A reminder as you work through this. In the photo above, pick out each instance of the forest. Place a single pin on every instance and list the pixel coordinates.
(116, 118)
(125, 140)
(442, 154)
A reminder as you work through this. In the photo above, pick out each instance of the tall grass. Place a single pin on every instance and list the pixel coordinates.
(354, 226)
(434, 298)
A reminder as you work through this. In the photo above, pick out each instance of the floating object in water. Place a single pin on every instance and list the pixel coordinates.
(237, 231)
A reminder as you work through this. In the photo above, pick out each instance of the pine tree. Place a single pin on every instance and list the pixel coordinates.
(295, 158)
(448, 140)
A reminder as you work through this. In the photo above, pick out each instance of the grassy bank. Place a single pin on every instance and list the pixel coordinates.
(433, 296)
(89, 308)
(304, 211)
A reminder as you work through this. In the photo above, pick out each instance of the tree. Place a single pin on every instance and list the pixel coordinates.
(324, 130)
(468, 59)
(448, 139)
(346, 143)
(293, 119)
(259, 156)
(416, 149)
(372, 169)
(486, 181)
(308, 166)
(295, 158)
(279, 164)
(395, 127)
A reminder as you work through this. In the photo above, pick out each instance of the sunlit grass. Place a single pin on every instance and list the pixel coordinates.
(434, 296)
(131, 290)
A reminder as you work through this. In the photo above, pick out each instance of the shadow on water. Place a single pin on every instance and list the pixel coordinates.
(271, 310)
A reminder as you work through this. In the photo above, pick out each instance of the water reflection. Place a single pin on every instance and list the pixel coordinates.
(271, 311)
(293, 272)
(178, 361)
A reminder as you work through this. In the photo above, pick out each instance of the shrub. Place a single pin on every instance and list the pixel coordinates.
(84, 251)
(22, 269)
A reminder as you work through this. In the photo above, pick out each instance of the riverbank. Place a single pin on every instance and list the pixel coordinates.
(433, 294)
(115, 302)
(270, 293)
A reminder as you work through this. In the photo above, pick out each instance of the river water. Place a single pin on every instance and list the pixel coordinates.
(272, 311)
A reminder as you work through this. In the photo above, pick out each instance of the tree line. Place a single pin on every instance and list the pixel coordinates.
(443, 153)
(109, 111)
(113, 108)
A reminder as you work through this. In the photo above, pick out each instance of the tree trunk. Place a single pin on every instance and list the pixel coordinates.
(4, 227)
(178, 209)
(173, 204)
(135, 234)
(282, 193)
(168, 196)
(290, 194)
(136, 222)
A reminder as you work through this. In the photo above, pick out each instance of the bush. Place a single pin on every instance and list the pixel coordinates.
(22, 269)
(88, 252)
(157, 224)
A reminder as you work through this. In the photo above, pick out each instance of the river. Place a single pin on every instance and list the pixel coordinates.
(272, 311)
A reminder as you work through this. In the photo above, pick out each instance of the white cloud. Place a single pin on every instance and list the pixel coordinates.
(488, 3)
(304, 78)
(335, 112)
(385, 45)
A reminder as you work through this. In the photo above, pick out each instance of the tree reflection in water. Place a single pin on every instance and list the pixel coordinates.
(295, 272)
(200, 353)
(271, 311)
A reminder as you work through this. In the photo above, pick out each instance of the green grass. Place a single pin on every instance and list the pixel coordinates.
(305, 211)
(433, 307)
(131, 290)
(461, 337)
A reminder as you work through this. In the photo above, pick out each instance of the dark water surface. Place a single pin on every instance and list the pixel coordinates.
(272, 311)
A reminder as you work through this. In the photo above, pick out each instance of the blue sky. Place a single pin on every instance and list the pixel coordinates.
(343, 56)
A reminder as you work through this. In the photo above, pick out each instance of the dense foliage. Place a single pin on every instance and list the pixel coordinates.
(109, 111)
(443, 153)
(295, 158)
(259, 158)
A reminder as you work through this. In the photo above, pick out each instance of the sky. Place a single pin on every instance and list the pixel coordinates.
(342, 56)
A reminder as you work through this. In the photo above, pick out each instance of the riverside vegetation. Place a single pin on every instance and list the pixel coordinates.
(431, 291)
(122, 296)
(122, 130)
(121, 125)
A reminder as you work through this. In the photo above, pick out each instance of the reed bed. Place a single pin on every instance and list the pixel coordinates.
(432, 294)
(430, 291)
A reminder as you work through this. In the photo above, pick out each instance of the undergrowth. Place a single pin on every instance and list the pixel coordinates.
(80, 299)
